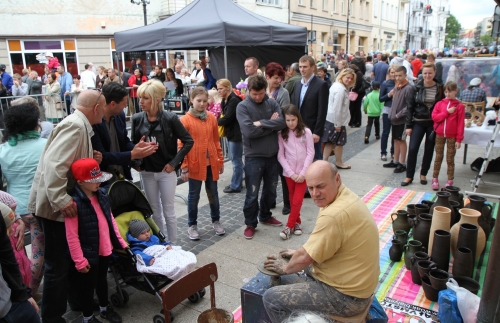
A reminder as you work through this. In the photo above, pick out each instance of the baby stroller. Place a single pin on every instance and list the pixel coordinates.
(129, 203)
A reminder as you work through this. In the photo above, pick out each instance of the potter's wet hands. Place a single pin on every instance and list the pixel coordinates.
(286, 253)
(275, 264)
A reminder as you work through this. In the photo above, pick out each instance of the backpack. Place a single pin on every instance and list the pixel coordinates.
(493, 166)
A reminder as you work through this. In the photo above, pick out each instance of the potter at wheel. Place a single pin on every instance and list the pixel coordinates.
(263, 270)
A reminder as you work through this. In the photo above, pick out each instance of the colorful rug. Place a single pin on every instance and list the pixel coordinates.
(237, 315)
(396, 289)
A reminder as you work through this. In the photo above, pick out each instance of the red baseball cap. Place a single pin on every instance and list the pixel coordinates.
(87, 170)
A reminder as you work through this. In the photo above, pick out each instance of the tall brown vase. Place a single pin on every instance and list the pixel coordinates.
(468, 216)
(440, 221)
(441, 249)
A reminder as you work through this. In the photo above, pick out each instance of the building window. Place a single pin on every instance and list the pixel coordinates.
(342, 6)
(300, 3)
(350, 7)
(335, 6)
(387, 12)
(272, 2)
(375, 8)
(325, 4)
(31, 54)
(382, 14)
(360, 10)
(312, 4)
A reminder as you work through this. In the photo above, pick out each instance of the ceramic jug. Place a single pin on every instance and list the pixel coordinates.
(468, 216)
(443, 198)
(410, 249)
(396, 250)
(455, 194)
(440, 221)
(401, 221)
(463, 264)
(478, 203)
(415, 276)
(422, 228)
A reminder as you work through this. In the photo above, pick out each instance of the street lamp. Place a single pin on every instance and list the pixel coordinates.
(144, 4)
(349, 2)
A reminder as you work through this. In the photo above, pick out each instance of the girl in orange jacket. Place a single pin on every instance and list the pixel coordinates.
(204, 162)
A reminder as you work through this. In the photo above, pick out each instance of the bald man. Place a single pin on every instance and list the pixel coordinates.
(51, 202)
(341, 257)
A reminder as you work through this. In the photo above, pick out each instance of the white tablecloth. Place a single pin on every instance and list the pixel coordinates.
(479, 136)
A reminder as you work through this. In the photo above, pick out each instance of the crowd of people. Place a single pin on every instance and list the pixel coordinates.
(288, 124)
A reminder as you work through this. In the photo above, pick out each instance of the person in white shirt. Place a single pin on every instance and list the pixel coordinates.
(197, 74)
(178, 70)
(88, 77)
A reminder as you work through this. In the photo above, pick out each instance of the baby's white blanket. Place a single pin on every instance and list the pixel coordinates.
(173, 263)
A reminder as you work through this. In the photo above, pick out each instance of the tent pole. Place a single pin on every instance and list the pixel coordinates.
(225, 61)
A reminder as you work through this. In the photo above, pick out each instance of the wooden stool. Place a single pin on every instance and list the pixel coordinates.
(358, 318)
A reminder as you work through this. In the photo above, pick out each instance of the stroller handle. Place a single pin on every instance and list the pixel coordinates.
(131, 255)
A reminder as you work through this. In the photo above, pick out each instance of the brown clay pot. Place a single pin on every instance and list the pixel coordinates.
(422, 228)
(440, 221)
(412, 247)
(442, 200)
(463, 264)
(441, 249)
(455, 194)
(468, 216)
(478, 203)
(401, 221)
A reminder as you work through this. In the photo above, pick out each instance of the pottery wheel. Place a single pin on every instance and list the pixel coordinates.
(263, 270)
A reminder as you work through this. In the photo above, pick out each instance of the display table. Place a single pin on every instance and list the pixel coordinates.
(478, 136)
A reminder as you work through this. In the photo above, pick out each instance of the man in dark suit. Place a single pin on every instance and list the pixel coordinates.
(111, 135)
(35, 87)
(310, 95)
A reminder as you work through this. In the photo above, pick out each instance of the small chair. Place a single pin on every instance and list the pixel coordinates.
(359, 318)
(194, 282)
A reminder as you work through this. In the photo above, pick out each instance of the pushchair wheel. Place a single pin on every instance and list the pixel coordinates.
(126, 297)
(194, 298)
(202, 292)
(117, 300)
(160, 318)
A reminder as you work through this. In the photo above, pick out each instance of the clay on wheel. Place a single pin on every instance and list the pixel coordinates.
(263, 270)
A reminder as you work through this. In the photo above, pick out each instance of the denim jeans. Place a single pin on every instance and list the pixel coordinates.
(318, 152)
(21, 312)
(310, 295)
(194, 198)
(420, 129)
(236, 154)
(160, 191)
(57, 262)
(386, 130)
(256, 170)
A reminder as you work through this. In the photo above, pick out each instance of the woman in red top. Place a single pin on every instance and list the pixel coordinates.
(135, 81)
(448, 116)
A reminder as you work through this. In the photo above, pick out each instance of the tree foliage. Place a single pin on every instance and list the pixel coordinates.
(485, 39)
(452, 29)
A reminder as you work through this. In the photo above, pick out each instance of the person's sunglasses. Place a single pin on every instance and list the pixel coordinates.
(99, 97)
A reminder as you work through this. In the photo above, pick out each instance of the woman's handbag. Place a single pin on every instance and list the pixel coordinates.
(222, 131)
(353, 95)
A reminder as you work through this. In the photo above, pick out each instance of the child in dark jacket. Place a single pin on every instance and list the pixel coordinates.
(448, 116)
(91, 236)
(157, 257)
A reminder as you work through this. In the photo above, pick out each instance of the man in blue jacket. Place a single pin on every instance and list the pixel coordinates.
(65, 80)
(111, 135)
(6, 78)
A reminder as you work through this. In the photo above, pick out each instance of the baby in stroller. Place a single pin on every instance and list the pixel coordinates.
(154, 256)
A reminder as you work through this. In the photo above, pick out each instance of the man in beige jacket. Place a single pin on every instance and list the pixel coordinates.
(49, 199)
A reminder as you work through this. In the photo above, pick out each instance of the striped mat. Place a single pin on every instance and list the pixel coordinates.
(395, 280)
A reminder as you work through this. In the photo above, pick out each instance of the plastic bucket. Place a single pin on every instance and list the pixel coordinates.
(215, 315)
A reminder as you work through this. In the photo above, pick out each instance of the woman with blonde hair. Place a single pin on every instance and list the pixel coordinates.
(337, 117)
(158, 170)
(53, 110)
(233, 133)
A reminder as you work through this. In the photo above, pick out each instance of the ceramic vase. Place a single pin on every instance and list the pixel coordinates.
(422, 228)
(396, 250)
(427, 202)
(455, 216)
(402, 236)
(463, 264)
(410, 249)
(401, 221)
(478, 203)
(411, 213)
(441, 249)
(417, 256)
(455, 194)
(421, 208)
(440, 221)
(442, 200)
(467, 238)
(468, 216)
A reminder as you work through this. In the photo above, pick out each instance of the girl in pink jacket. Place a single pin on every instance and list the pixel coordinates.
(448, 116)
(296, 153)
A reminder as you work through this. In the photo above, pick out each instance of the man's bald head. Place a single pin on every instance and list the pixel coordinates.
(323, 182)
(91, 103)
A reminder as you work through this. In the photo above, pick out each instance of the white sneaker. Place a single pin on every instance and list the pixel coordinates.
(297, 230)
(193, 233)
(286, 233)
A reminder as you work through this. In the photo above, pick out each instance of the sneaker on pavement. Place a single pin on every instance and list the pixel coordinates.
(110, 315)
(286, 233)
(249, 232)
(400, 168)
(193, 233)
(392, 164)
(435, 184)
(297, 230)
(286, 210)
(366, 140)
(272, 221)
(219, 229)
(230, 190)
(449, 182)
(93, 319)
